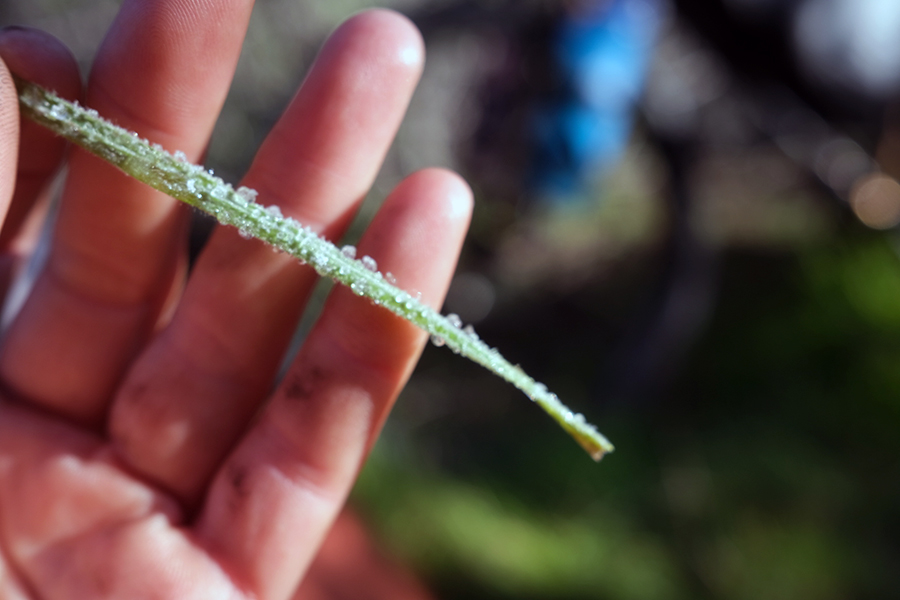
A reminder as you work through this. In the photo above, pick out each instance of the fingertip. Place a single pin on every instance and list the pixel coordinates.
(446, 188)
(399, 41)
(416, 236)
(39, 57)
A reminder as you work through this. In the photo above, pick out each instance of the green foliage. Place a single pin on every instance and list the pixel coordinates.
(769, 471)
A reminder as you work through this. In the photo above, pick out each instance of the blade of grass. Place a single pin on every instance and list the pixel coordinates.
(175, 176)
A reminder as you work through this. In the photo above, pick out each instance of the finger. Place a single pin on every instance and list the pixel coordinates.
(9, 137)
(275, 496)
(163, 70)
(41, 58)
(38, 57)
(191, 394)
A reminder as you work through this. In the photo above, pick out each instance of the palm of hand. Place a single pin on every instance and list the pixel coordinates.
(141, 452)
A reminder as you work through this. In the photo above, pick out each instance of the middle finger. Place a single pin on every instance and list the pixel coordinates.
(192, 392)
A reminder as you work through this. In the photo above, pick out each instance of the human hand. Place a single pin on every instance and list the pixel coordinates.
(142, 452)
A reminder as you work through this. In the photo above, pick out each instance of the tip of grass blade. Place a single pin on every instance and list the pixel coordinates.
(593, 442)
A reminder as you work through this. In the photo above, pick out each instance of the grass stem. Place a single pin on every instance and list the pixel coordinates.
(192, 184)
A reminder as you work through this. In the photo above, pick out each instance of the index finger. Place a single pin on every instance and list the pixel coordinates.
(163, 71)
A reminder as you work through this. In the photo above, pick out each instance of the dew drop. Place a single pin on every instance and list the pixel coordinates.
(389, 277)
(244, 234)
(454, 320)
(470, 331)
(57, 111)
(369, 263)
(437, 340)
(247, 194)
(275, 211)
(180, 156)
(349, 251)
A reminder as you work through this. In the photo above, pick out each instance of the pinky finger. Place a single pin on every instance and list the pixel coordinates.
(276, 495)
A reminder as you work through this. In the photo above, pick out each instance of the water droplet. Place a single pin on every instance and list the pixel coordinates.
(471, 332)
(389, 277)
(180, 156)
(454, 320)
(191, 186)
(349, 251)
(247, 194)
(369, 263)
(357, 288)
(437, 341)
(244, 234)
(57, 111)
(275, 211)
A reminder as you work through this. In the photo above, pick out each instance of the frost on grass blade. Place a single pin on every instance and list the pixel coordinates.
(200, 188)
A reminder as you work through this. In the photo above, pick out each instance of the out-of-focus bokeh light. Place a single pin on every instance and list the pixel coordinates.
(854, 44)
(876, 201)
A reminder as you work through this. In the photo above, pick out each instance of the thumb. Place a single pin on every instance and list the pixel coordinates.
(9, 138)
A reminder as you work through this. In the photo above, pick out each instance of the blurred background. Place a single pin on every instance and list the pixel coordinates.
(686, 227)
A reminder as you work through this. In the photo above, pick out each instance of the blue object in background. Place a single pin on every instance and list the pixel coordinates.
(601, 52)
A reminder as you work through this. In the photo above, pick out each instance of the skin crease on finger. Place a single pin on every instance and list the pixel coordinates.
(76, 522)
